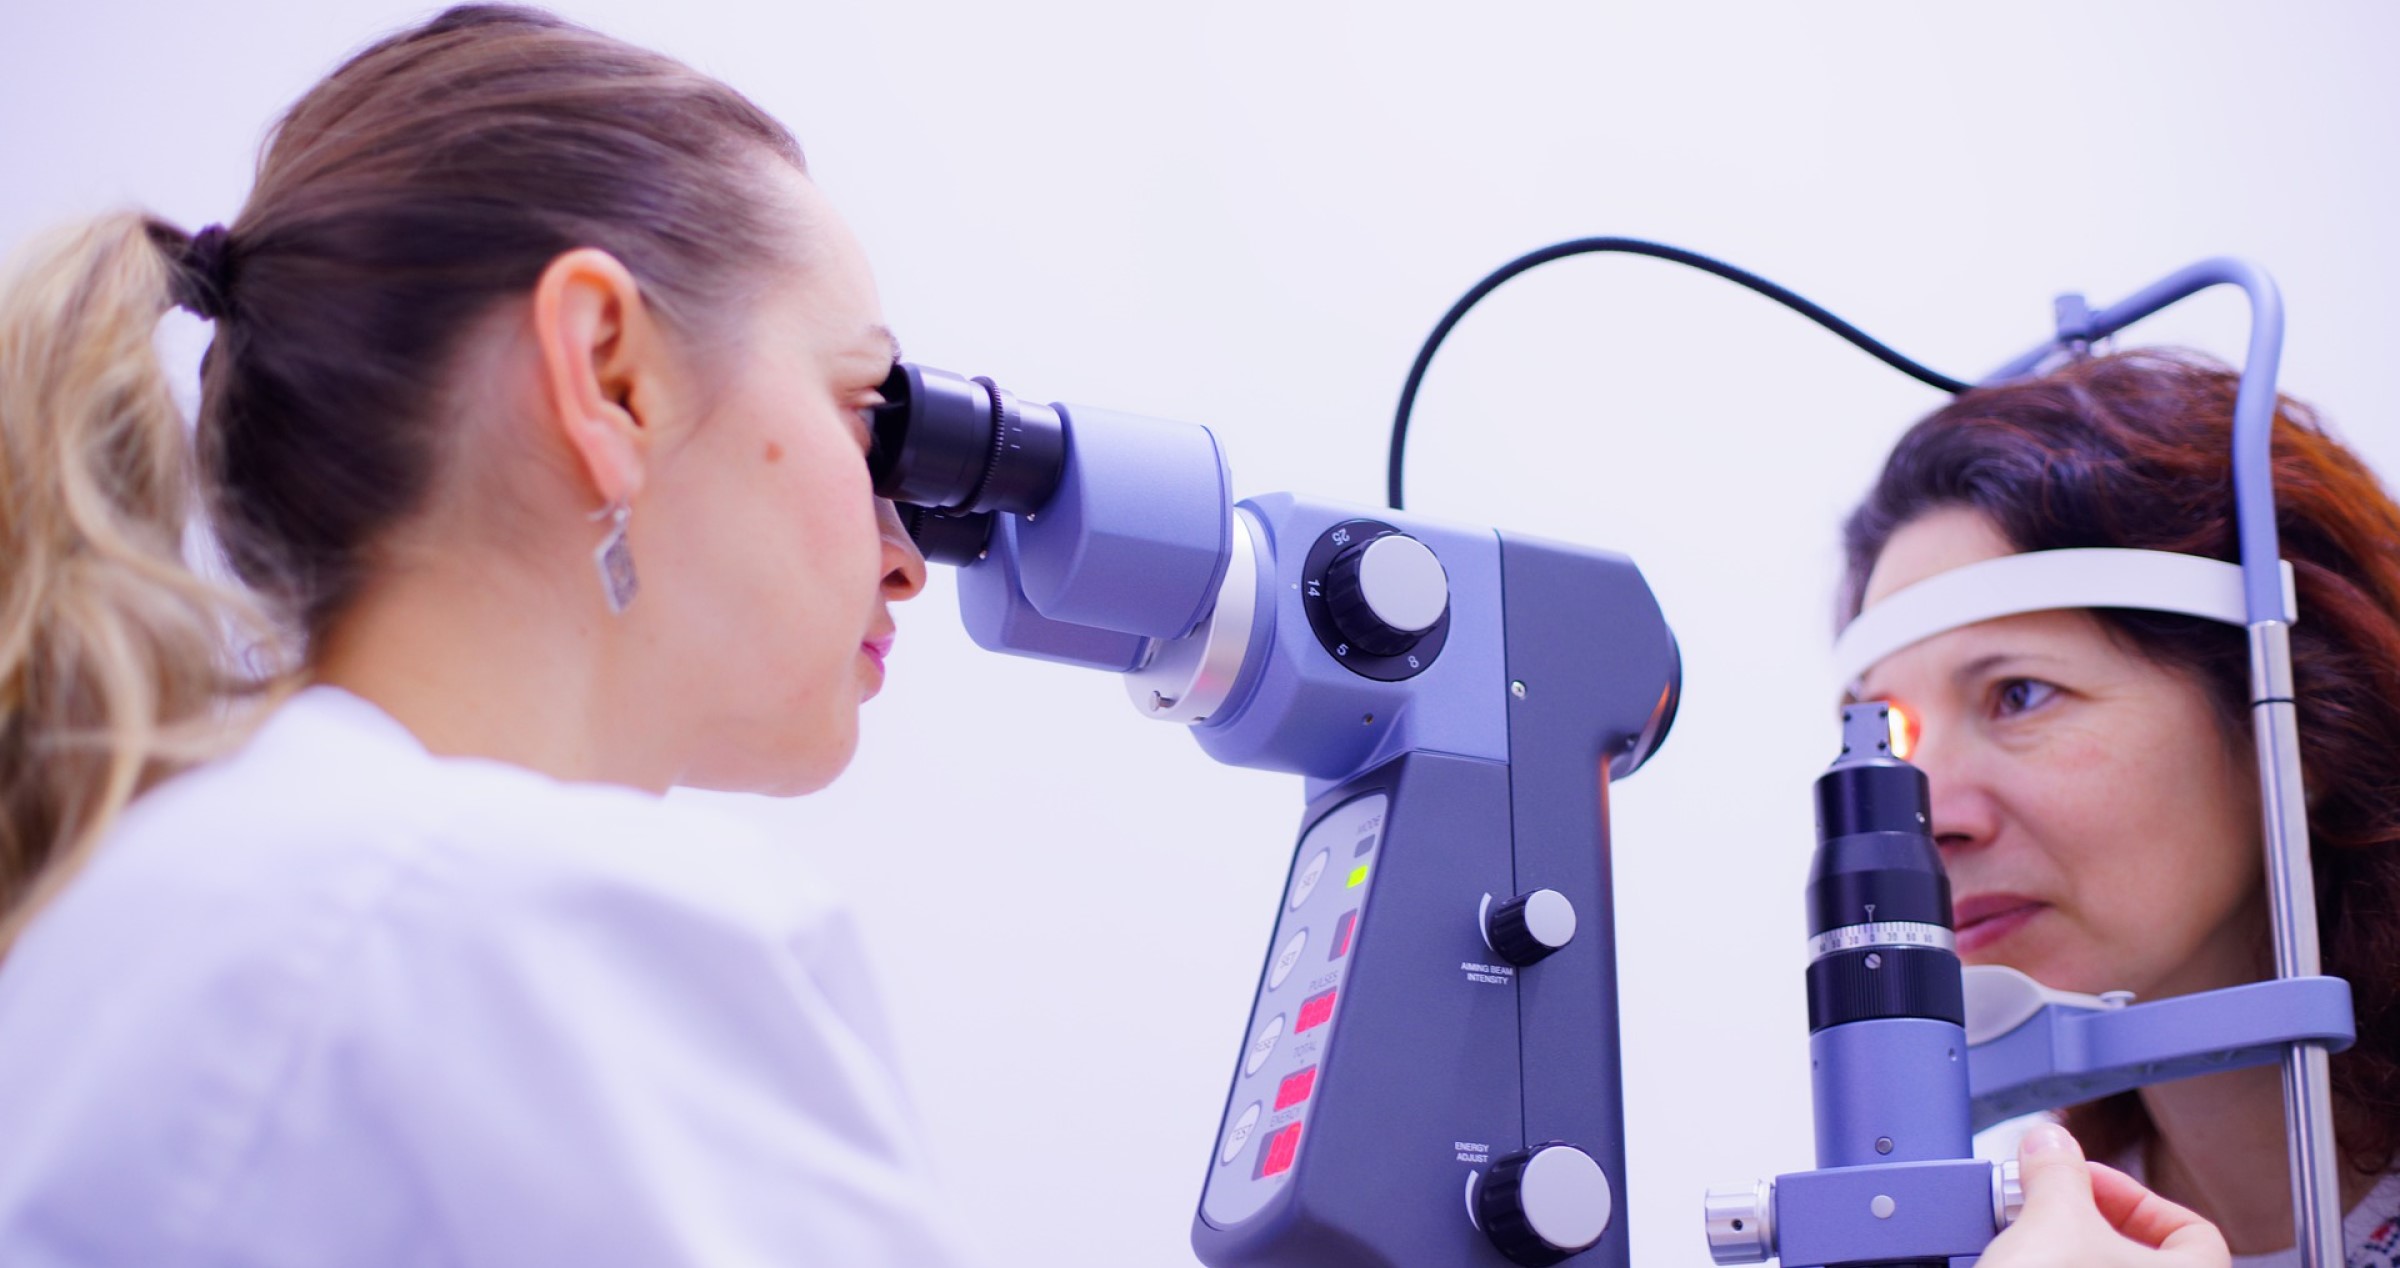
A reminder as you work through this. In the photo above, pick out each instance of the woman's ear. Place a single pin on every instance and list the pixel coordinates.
(596, 340)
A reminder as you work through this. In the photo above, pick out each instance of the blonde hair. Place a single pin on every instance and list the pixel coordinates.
(116, 657)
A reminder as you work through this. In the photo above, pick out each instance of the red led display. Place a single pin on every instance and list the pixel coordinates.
(1295, 1088)
(1275, 1156)
(1341, 935)
(1313, 1012)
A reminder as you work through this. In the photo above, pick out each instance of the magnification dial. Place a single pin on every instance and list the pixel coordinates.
(1377, 599)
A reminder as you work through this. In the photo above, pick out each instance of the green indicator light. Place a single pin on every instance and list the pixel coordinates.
(1358, 876)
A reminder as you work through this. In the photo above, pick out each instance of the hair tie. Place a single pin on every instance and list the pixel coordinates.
(207, 274)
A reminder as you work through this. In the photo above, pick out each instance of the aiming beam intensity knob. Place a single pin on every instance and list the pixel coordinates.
(1384, 594)
(1543, 1204)
(1530, 926)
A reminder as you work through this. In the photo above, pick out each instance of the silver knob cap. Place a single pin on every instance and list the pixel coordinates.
(1545, 1204)
(2008, 1195)
(1741, 1224)
(1403, 583)
(1530, 926)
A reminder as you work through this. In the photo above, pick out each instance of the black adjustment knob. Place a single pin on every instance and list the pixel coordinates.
(1544, 1204)
(946, 538)
(1386, 593)
(1530, 926)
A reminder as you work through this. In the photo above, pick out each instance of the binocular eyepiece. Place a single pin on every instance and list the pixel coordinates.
(952, 452)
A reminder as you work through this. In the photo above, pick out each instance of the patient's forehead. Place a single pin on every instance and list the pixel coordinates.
(1941, 539)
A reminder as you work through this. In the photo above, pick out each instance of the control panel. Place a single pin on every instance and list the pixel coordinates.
(1298, 1006)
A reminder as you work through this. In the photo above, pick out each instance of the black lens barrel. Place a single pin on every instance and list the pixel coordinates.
(1877, 865)
(1876, 860)
(1887, 982)
(1876, 794)
(964, 446)
(943, 538)
(1876, 877)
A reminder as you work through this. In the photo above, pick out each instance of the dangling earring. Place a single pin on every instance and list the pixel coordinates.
(614, 559)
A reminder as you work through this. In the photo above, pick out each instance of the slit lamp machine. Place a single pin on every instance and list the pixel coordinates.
(1428, 1076)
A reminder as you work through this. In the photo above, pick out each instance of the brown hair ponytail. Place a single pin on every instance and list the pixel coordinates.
(113, 651)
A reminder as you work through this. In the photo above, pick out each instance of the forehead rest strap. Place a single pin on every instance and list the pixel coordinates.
(2044, 581)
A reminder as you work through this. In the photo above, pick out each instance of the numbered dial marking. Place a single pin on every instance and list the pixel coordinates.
(1886, 933)
(1377, 599)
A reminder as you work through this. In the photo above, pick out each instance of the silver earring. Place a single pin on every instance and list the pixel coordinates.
(614, 559)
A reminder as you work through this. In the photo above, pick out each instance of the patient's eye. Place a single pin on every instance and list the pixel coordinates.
(2017, 695)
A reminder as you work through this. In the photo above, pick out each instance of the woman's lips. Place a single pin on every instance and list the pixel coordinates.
(875, 650)
(1987, 918)
(878, 650)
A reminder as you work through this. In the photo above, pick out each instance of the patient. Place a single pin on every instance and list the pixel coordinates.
(2093, 781)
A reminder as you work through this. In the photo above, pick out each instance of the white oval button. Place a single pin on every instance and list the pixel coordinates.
(1284, 961)
(1239, 1134)
(1306, 882)
(1264, 1044)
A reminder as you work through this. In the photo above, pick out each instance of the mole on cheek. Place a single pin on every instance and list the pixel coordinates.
(774, 452)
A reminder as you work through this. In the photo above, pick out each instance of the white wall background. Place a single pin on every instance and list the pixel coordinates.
(1247, 215)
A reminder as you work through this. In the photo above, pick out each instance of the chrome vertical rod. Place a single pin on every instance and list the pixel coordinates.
(2292, 902)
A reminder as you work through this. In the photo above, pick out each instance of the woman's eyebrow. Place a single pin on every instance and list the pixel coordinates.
(1985, 664)
(882, 339)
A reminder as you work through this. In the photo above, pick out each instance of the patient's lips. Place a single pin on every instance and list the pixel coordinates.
(1984, 919)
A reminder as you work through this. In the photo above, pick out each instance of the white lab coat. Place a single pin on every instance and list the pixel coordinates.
(337, 1003)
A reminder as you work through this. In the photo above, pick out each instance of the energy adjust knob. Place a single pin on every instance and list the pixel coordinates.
(1385, 593)
(1543, 1204)
(1530, 926)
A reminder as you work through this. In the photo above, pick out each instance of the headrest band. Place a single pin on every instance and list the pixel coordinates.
(2043, 581)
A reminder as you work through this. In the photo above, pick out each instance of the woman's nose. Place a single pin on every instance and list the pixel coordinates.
(903, 563)
(1964, 812)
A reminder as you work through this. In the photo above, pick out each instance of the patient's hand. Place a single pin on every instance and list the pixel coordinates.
(2086, 1215)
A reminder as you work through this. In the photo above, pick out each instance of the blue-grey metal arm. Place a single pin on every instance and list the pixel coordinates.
(2253, 410)
(2065, 1055)
(2307, 1080)
(1127, 553)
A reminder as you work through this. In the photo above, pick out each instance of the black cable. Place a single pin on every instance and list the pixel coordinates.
(1631, 246)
